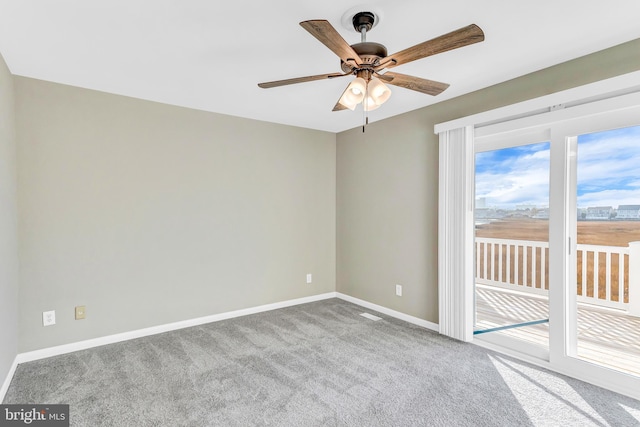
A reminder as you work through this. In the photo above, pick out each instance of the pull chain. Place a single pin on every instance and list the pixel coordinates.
(365, 108)
(365, 105)
(364, 113)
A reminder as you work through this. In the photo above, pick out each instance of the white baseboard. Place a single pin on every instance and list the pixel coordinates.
(389, 312)
(139, 333)
(7, 380)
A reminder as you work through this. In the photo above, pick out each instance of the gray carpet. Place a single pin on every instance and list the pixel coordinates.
(318, 364)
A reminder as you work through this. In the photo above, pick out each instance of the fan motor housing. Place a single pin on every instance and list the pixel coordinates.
(369, 52)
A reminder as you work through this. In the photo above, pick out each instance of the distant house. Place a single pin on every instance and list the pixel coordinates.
(599, 213)
(542, 213)
(489, 213)
(525, 207)
(581, 214)
(628, 212)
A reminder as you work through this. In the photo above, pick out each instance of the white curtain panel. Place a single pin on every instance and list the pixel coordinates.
(455, 234)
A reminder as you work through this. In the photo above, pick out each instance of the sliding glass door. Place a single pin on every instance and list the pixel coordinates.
(605, 191)
(557, 273)
(512, 243)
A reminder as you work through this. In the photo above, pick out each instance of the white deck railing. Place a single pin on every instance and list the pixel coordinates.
(603, 272)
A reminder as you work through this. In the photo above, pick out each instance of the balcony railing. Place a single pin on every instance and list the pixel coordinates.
(607, 276)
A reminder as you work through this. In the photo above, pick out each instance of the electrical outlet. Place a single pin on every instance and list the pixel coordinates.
(80, 312)
(399, 290)
(309, 278)
(48, 318)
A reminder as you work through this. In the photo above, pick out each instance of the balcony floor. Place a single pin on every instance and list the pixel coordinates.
(605, 337)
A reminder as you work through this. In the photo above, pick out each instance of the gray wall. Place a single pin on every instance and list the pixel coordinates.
(387, 178)
(8, 226)
(149, 214)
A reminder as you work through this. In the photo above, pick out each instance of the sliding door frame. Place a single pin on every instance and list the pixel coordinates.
(484, 143)
(563, 125)
(565, 136)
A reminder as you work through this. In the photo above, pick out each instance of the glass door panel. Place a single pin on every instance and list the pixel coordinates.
(607, 256)
(512, 243)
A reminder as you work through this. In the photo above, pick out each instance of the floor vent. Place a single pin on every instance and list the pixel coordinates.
(370, 316)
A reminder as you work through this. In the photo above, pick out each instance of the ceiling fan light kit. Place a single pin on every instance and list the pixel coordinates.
(378, 91)
(354, 93)
(368, 61)
(371, 94)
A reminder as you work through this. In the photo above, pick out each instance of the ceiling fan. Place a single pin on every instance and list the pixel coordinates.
(367, 61)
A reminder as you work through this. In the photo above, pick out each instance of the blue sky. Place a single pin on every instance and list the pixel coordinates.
(608, 172)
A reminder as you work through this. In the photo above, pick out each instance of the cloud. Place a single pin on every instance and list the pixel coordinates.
(612, 198)
(608, 171)
(514, 176)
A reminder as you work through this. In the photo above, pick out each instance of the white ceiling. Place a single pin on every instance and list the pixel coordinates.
(210, 55)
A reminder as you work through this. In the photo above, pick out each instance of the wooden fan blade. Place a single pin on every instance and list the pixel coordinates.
(339, 107)
(327, 35)
(299, 80)
(429, 87)
(384, 77)
(462, 37)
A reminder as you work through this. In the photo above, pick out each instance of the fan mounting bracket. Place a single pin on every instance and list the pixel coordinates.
(363, 20)
(347, 19)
